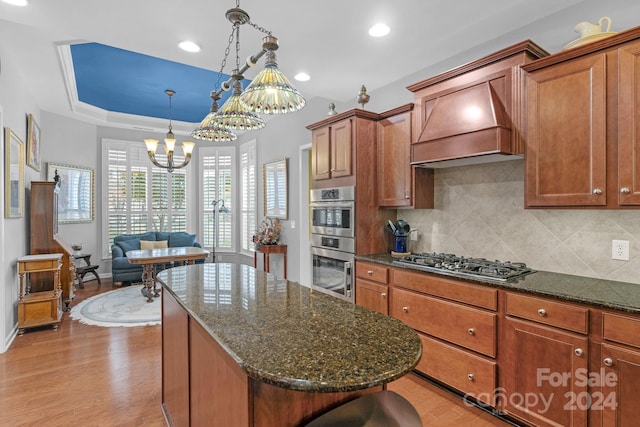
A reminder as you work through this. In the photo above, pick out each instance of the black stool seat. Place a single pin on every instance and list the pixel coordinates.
(381, 409)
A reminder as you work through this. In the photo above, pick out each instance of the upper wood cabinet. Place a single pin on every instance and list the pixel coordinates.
(331, 151)
(399, 183)
(335, 142)
(582, 133)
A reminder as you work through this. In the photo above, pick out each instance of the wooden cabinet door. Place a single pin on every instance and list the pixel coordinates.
(394, 157)
(540, 374)
(340, 163)
(566, 134)
(320, 152)
(629, 124)
(372, 295)
(618, 401)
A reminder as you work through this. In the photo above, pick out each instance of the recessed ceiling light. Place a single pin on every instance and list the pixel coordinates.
(379, 30)
(16, 2)
(189, 46)
(302, 77)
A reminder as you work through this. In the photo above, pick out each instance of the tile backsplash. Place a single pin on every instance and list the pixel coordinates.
(480, 213)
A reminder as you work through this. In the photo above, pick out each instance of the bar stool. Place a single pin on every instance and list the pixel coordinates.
(381, 409)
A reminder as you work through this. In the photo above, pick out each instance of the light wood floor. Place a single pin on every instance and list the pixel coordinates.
(85, 375)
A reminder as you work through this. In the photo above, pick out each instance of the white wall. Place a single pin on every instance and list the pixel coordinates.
(16, 102)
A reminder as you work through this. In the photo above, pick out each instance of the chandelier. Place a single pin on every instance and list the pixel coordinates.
(269, 93)
(170, 143)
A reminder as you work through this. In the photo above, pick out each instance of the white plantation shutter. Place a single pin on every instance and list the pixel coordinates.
(140, 196)
(248, 196)
(217, 164)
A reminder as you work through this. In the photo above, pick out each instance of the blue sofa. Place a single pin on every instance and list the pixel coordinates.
(123, 271)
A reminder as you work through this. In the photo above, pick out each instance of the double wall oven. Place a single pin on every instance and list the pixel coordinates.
(333, 240)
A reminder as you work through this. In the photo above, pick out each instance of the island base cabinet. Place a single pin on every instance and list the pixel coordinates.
(541, 376)
(219, 388)
(175, 362)
(278, 407)
(202, 385)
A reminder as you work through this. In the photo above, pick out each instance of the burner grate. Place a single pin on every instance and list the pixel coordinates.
(457, 266)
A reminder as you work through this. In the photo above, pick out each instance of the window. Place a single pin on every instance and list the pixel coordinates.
(140, 197)
(217, 166)
(248, 198)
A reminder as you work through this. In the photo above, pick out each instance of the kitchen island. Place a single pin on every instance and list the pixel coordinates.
(240, 348)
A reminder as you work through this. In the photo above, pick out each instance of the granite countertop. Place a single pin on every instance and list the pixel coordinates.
(602, 293)
(289, 335)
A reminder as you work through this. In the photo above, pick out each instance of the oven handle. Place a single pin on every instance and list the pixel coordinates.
(347, 279)
(346, 205)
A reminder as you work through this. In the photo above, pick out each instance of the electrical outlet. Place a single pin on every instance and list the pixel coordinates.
(293, 224)
(620, 250)
(413, 235)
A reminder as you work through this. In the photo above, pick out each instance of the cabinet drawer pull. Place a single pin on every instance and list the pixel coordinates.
(597, 191)
(369, 272)
(471, 331)
(470, 377)
(405, 309)
(542, 312)
(625, 190)
(325, 171)
(333, 170)
(383, 295)
(578, 352)
(608, 361)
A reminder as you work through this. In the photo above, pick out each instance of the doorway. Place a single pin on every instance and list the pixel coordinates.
(306, 278)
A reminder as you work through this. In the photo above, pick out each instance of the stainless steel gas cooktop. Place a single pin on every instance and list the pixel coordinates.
(458, 266)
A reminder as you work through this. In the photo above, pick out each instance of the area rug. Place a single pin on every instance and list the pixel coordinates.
(122, 307)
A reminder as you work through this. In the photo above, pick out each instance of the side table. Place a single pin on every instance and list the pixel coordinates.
(39, 308)
(82, 271)
(267, 250)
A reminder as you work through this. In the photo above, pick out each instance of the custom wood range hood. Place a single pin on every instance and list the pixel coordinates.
(472, 114)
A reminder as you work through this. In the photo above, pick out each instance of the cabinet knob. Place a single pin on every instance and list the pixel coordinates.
(542, 312)
(470, 377)
(405, 309)
(369, 272)
(608, 361)
(333, 169)
(407, 197)
(383, 295)
(597, 191)
(625, 190)
(325, 171)
(471, 331)
(578, 352)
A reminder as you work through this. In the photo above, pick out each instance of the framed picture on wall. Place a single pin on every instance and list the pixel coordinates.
(75, 192)
(13, 175)
(34, 140)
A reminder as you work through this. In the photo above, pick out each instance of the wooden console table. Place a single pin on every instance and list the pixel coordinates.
(267, 250)
(39, 308)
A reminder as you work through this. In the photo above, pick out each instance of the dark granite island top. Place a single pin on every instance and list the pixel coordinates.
(290, 336)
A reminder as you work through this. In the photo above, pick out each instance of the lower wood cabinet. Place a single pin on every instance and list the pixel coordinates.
(371, 286)
(469, 373)
(458, 326)
(619, 372)
(541, 374)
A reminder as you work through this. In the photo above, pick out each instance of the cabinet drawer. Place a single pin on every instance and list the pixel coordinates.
(466, 326)
(462, 370)
(621, 329)
(377, 273)
(541, 310)
(480, 296)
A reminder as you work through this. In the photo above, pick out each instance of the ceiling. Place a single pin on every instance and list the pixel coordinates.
(133, 56)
